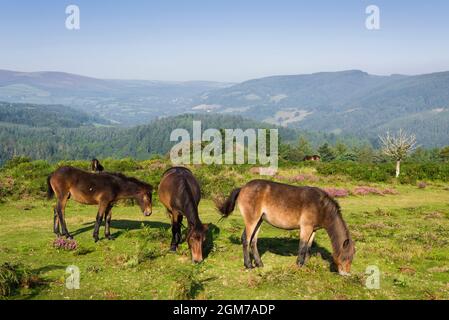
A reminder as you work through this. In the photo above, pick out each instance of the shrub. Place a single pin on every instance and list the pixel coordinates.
(122, 165)
(14, 162)
(186, 286)
(14, 276)
(336, 193)
(422, 185)
(304, 177)
(68, 245)
(357, 171)
(363, 191)
(384, 172)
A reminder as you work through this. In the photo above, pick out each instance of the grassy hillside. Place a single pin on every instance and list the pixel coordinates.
(404, 234)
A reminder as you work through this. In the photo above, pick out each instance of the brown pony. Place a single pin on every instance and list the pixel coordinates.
(289, 207)
(95, 166)
(312, 158)
(180, 193)
(102, 189)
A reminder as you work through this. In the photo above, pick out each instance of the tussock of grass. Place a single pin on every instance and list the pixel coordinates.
(186, 284)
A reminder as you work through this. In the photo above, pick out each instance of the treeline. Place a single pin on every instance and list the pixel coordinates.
(58, 143)
(142, 142)
(354, 151)
(53, 116)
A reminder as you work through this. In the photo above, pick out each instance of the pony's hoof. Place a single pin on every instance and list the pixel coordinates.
(96, 239)
(110, 238)
(69, 237)
(259, 265)
(249, 267)
(173, 248)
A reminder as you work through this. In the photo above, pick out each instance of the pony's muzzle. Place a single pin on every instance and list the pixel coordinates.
(197, 260)
(147, 213)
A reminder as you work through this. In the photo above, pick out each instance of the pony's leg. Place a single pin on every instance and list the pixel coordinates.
(107, 223)
(255, 251)
(176, 220)
(310, 243)
(304, 238)
(60, 208)
(246, 257)
(250, 229)
(256, 255)
(101, 211)
(56, 223)
(179, 236)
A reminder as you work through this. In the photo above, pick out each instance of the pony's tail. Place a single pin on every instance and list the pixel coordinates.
(50, 191)
(225, 208)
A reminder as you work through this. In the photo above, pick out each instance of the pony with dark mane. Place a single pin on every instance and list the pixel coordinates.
(102, 189)
(289, 207)
(95, 166)
(180, 193)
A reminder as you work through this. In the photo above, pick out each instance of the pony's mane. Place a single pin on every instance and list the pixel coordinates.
(333, 209)
(184, 201)
(129, 179)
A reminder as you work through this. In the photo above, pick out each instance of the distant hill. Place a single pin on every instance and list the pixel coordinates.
(343, 103)
(125, 102)
(352, 102)
(35, 115)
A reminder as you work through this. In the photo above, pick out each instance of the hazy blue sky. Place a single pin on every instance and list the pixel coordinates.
(225, 40)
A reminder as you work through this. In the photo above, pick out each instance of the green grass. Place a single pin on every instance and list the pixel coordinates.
(405, 235)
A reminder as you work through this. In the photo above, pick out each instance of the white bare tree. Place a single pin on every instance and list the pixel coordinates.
(398, 146)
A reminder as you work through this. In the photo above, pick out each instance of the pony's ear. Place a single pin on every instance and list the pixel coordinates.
(206, 226)
(346, 243)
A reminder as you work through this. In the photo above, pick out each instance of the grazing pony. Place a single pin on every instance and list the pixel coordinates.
(96, 166)
(180, 193)
(312, 158)
(290, 207)
(102, 189)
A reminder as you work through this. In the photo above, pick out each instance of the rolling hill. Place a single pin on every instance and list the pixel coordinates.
(349, 102)
(352, 102)
(124, 102)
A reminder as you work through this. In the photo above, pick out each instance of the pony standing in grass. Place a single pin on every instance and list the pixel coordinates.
(180, 193)
(290, 207)
(102, 189)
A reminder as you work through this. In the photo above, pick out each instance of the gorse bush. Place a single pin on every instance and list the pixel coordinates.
(358, 171)
(413, 172)
(24, 178)
(15, 162)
